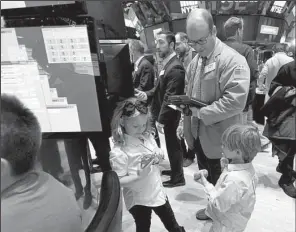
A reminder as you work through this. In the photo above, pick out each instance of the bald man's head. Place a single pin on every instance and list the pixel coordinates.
(201, 31)
(201, 16)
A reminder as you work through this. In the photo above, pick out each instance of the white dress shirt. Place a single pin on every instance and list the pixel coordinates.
(231, 202)
(125, 160)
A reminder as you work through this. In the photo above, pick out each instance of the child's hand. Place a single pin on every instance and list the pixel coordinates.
(201, 176)
(158, 153)
(146, 170)
(224, 163)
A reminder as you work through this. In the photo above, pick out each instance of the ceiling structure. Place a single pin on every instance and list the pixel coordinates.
(141, 14)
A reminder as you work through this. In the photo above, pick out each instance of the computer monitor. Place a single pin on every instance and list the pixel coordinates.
(53, 71)
(16, 9)
(119, 69)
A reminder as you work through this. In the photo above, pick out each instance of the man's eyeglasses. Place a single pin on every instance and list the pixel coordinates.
(201, 41)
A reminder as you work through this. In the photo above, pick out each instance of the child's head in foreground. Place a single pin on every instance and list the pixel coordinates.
(130, 117)
(241, 143)
(20, 139)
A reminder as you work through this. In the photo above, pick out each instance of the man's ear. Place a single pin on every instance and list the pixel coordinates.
(172, 46)
(214, 32)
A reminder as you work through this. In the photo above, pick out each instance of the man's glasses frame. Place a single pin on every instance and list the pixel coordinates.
(202, 41)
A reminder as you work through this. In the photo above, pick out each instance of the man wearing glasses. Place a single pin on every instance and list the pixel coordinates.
(219, 76)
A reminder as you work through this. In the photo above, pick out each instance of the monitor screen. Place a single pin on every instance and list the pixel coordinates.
(18, 9)
(50, 70)
(270, 29)
(119, 69)
(23, 4)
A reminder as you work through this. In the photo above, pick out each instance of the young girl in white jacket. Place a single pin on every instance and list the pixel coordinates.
(134, 158)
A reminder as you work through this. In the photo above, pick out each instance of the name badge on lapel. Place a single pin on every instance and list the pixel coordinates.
(161, 73)
(210, 67)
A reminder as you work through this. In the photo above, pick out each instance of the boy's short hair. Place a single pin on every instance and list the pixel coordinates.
(20, 135)
(245, 138)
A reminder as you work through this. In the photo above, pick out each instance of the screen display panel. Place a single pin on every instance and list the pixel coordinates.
(50, 69)
(24, 4)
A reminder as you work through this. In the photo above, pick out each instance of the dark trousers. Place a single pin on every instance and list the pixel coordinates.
(142, 216)
(213, 166)
(156, 135)
(102, 148)
(174, 150)
(50, 158)
(286, 164)
(187, 153)
(76, 150)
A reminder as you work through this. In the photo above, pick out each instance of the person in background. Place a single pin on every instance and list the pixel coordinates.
(280, 128)
(171, 81)
(143, 69)
(185, 54)
(31, 200)
(231, 201)
(273, 65)
(135, 158)
(220, 77)
(184, 51)
(233, 28)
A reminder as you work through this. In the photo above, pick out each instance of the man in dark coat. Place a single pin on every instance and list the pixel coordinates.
(143, 69)
(280, 128)
(171, 81)
(233, 28)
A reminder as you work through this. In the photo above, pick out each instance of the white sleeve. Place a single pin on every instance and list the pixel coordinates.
(223, 198)
(119, 161)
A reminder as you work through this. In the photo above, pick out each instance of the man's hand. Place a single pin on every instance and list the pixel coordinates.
(142, 96)
(159, 155)
(195, 112)
(159, 127)
(180, 132)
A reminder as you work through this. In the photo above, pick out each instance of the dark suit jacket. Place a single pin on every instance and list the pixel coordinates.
(172, 82)
(248, 53)
(144, 76)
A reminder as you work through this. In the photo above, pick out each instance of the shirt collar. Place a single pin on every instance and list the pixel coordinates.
(167, 59)
(239, 167)
(232, 38)
(280, 53)
(138, 61)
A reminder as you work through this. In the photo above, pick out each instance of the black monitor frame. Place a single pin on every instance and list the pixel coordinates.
(77, 8)
(100, 87)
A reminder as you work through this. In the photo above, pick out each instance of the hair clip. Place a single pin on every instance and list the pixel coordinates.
(130, 108)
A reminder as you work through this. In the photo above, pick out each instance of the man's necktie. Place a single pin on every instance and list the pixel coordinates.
(197, 81)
